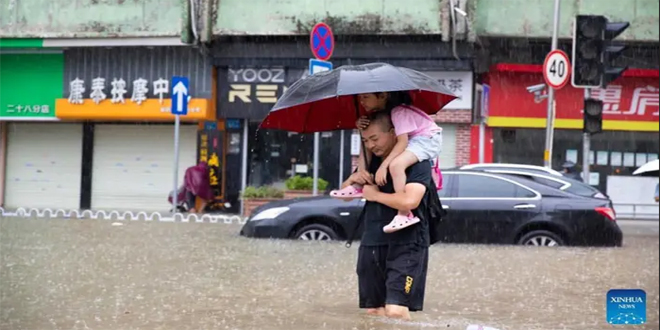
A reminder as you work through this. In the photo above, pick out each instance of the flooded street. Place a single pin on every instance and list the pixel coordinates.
(89, 274)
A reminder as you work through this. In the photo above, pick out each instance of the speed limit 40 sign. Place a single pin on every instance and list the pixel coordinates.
(556, 69)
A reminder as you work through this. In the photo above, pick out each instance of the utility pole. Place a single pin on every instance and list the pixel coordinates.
(550, 126)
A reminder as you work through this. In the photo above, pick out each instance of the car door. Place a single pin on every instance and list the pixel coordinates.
(348, 215)
(491, 207)
(451, 226)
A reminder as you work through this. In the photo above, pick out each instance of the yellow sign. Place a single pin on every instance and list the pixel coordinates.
(608, 125)
(263, 93)
(150, 109)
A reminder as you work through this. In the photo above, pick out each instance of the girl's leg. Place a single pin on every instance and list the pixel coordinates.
(354, 191)
(398, 171)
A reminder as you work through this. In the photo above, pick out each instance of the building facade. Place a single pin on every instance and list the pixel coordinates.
(30, 82)
(252, 73)
(240, 59)
(513, 123)
(108, 142)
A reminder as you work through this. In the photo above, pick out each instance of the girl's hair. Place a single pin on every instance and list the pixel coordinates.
(396, 99)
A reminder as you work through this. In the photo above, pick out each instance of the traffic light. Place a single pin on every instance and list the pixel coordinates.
(588, 31)
(612, 51)
(594, 51)
(593, 116)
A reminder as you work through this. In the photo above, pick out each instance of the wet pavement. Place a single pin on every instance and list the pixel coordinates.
(89, 274)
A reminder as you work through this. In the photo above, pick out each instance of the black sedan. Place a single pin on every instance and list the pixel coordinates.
(483, 208)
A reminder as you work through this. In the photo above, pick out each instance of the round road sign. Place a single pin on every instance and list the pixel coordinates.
(322, 41)
(556, 69)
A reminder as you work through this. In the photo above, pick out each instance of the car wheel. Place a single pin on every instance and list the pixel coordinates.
(316, 232)
(541, 238)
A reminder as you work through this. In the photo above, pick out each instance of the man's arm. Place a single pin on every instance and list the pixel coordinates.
(407, 200)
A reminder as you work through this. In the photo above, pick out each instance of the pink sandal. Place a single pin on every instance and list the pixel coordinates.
(400, 222)
(348, 192)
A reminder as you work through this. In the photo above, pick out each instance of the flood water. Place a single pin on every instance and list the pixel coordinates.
(89, 274)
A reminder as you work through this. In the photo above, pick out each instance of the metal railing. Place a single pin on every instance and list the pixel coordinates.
(637, 211)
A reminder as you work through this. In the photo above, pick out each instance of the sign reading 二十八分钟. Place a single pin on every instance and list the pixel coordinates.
(29, 85)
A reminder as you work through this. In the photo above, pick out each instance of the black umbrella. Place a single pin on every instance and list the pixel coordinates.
(326, 101)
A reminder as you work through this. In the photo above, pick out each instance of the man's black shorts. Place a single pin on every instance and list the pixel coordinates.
(392, 275)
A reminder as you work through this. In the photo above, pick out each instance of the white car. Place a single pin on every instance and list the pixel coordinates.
(512, 167)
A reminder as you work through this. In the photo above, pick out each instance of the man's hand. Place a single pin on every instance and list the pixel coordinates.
(361, 178)
(381, 175)
(362, 123)
(370, 192)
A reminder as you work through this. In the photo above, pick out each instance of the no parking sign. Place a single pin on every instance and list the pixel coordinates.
(322, 41)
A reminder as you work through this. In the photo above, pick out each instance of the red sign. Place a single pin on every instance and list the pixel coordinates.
(322, 41)
(626, 99)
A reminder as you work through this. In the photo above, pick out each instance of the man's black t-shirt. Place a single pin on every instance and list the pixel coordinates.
(377, 215)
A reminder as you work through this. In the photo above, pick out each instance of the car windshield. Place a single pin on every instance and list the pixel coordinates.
(581, 189)
(547, 182)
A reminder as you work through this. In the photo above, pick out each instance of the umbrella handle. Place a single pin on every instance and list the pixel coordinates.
(357, 115)
(349, 241)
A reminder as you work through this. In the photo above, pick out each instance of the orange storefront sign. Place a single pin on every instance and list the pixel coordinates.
(150, 109)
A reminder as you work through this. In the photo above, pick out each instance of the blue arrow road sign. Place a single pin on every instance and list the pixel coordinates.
(316, 66)
(179, 95)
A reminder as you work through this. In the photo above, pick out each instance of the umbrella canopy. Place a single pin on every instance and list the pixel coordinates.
(648, 169)
(327, 101)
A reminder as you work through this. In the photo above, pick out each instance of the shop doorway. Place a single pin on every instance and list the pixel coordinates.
(274, 156)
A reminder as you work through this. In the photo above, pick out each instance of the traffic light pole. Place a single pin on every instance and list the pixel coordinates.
(586, 148)
(550, 123)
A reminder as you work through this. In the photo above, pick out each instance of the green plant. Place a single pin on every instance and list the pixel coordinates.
(262, 192)
(304, 183)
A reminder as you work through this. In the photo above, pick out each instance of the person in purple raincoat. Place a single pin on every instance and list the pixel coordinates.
(197, 184)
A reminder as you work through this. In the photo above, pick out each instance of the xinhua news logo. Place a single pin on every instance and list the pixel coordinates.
(626, 306)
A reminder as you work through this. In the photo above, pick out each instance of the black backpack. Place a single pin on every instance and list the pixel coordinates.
(435, 214)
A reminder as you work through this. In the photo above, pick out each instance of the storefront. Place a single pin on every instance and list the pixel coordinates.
(273, 156)
(517, 123)
(456, 117)
(40, 159)
(121, 99)
(252, 74)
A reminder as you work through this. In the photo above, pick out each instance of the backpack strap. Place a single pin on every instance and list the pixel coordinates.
(436, 174)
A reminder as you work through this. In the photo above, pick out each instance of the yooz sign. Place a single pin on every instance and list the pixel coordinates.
(266, 75)
(263, 83)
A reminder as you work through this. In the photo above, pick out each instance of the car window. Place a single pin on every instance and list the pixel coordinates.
(447, 180)
(477, 186)
(530, 176)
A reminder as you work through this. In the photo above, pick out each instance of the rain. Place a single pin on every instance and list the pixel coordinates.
(173, 165)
